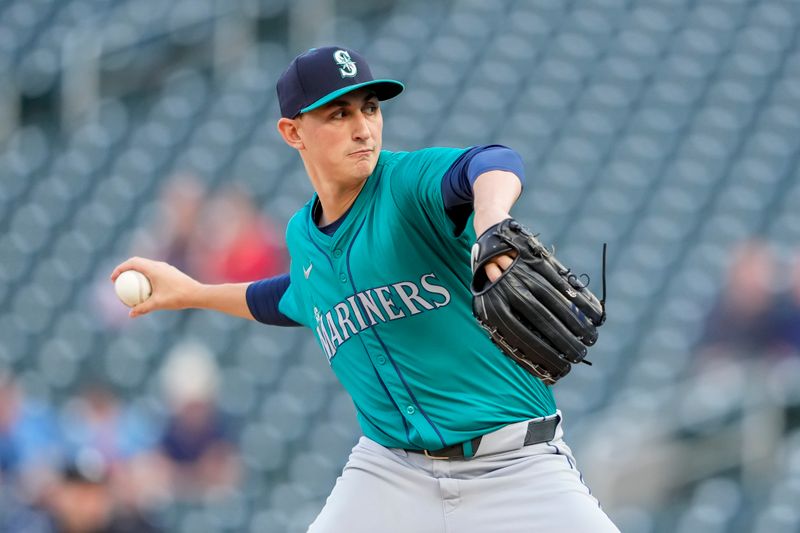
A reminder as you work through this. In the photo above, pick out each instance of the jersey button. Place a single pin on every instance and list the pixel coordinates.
(337, 253)
(381, 360)
(342, 278)
(410, 410)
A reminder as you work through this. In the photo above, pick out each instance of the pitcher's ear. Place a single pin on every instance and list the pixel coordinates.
(288, 128)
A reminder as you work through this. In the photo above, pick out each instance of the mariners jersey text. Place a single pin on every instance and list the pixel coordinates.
(370, 307)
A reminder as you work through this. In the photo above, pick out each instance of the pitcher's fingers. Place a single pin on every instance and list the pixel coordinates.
(143, 308)
(493, 271)
(504, 261)
(134, 263)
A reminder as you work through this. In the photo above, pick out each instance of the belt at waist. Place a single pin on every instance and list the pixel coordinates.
(538, 431)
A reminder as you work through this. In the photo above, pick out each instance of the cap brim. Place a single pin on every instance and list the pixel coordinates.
(384, 90)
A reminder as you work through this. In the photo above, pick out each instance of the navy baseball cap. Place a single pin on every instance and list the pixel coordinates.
(320, 75)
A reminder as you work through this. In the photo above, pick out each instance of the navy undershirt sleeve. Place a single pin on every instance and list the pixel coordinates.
(457, 182)
(263, 298)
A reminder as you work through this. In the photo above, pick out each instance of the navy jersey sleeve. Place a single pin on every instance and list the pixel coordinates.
(457, 182)
(263, 298)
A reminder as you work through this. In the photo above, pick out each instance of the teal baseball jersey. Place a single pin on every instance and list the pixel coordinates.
(387, 296)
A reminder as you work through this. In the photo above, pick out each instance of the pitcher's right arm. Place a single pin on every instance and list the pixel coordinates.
(174, 290)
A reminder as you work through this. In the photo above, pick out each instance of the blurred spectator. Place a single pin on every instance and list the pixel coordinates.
(240, 243)
(83, 501)
(215, 239)
(741, 321)
(95, 419)
(30, 445)
(787, 313)
(30, 455)
(17, 516)
(197, 454)
(173, 236)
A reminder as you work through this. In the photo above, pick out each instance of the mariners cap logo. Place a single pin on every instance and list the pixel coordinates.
(347, 67)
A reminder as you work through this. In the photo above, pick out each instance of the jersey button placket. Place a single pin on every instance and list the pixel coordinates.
(342, 278)
(410, 410)
(337, 253)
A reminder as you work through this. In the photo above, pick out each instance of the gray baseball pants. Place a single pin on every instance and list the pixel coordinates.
(505, 488)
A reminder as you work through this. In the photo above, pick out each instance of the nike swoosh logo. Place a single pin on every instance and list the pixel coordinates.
(307, 271)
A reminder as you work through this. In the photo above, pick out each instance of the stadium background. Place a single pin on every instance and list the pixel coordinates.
(669, 129)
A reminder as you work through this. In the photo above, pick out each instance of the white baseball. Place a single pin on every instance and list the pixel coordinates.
(132, 287)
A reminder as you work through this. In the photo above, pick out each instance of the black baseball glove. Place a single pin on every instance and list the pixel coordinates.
(538, 312)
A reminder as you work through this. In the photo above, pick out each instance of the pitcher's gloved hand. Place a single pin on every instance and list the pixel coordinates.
(538, 312)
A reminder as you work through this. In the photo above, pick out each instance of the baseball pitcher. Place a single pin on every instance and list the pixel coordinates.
(444, 318)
